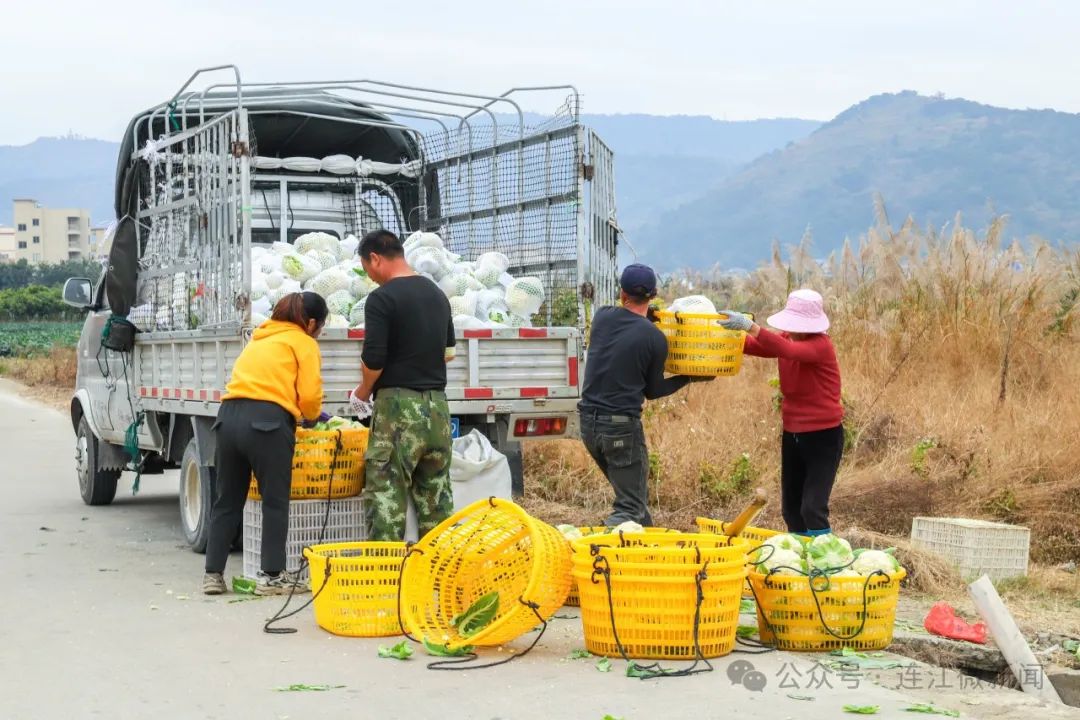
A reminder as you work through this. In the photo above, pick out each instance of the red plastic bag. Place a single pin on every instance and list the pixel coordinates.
(942, 620)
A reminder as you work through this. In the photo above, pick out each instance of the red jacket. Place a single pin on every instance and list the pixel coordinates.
(809, 379)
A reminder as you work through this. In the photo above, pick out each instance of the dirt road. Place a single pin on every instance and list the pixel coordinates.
(102, 618)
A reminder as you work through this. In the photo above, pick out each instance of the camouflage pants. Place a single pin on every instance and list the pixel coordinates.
(408, 455)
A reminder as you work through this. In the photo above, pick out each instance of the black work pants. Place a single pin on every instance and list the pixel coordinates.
(252, 436)
(617, 444)
(808, 465)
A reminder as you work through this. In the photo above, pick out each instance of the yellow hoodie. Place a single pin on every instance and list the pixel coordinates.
(282, 365)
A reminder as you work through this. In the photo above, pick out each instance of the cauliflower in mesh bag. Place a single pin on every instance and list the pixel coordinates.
(262, 306)
(524, 296)
(487, 298)
(693, 304)
(361, 285)
(340, 302)
(494, 259)
(259, 288)
(431, 260)
(300, 267)
(458, 283)
(325, 259)
(289, 286)
(316, 241)
(487, 275)
(329, 282)
(258, 319)
(464, 304)
(274, 279)
(336, 322)
(270, 263)
(257, 253)
(356, 315)
(281, 248)
(468, 322)
(347, 248)
(423, 239)
(498, 314)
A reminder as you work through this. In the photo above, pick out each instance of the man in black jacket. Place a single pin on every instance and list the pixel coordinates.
(624, 367)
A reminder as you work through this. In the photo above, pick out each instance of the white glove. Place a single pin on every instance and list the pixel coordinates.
(362, 409)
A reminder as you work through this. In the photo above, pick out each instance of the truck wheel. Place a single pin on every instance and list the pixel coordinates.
(196, 497)
(96, 485)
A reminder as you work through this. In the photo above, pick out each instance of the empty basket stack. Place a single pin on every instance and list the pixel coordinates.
(976, 547)
(344, 524)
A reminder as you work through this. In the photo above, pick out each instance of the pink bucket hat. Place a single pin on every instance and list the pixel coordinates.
(802, 314)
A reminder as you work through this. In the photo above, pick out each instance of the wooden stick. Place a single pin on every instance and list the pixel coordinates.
(746, 516)
(1027, 669)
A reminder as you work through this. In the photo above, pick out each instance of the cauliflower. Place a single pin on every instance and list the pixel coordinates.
(569, 532)
(787, 542)
(325, 259)
(423, 239)
(361, 285)
(336, 322)
(348, 247)
(524, 296)
(329, 282)
(781, 562)
(281, 248)
(464, 305)
(259, 287)
(269, 264)
(356, 315)
(340, 302)
(431, 260)
(628, 527)
(257, 319)
(316, 241)
(300, 267)
(274, 279)
(286, 288)
(693, 304)
(867, 561)
(828, 553)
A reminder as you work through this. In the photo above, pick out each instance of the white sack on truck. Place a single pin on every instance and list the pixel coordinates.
(478, 471)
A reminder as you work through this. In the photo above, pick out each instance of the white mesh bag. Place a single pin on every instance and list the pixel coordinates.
(524, 296)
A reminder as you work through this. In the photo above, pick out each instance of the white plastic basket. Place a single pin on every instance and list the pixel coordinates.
(976, 547)
(346, 524)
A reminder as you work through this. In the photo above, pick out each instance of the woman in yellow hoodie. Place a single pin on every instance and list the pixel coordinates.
(275, 382)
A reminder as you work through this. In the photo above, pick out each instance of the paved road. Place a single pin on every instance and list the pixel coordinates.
(102, 618)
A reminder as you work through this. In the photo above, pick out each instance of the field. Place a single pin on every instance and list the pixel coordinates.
(39, 353)
(29, 339)
(961, 372)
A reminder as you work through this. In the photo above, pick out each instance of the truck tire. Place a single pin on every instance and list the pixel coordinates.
(96, 485)
(196, 497)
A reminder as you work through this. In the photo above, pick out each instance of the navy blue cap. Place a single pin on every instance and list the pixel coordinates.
(638, 280)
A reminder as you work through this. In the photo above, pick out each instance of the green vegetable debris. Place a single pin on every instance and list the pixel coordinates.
(603, 665)
(301, 687)
(243, 585)
(402, 651)
(862, 709)
(931, 710)
(444, 651)
(479, 615)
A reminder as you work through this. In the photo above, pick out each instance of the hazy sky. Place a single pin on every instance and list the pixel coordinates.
(87, 67)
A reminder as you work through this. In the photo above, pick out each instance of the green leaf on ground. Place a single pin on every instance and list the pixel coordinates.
(747, 606)
(612, 717)
(862, 709)
(443, 651)
(1072, 646)
(745, 631)
(579, 654)
(603, 665)
(801, 697)
(402, 651)
(243, 585)
(301, 687)
(931, 710)
(636, 671)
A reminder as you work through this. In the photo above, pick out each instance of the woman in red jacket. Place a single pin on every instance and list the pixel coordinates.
(813, 440)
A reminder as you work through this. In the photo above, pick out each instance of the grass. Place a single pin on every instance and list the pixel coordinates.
(54, 369)
(961, 369)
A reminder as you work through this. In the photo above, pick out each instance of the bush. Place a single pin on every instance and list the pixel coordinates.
(35, 302)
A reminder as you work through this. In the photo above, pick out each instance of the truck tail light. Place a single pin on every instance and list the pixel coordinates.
(539, 427)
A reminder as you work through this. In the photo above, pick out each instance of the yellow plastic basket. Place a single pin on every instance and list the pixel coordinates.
(699, 345)
(754, 535)
(830, 617)
(361, 594)
(314, 453)
(572, 600)
(653, 594)
(490, 546)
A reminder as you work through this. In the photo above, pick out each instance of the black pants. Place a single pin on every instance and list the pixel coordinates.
(617, 444)
(808, 464)
(252, 436)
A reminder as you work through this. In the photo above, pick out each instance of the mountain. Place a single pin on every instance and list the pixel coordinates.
(928, 157)
(661, 162)
(66, 172)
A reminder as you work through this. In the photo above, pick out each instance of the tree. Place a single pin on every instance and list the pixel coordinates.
(16, 275)
(34, 302)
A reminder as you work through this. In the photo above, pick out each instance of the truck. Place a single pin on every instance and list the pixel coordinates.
(224, 166)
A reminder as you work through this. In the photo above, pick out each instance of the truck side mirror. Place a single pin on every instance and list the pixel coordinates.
(78, 292)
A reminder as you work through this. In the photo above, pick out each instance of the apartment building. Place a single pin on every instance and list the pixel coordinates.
(50, 234)
(98, 246)
(7, 244)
